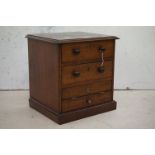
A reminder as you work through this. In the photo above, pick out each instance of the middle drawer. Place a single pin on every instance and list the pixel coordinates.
(85, 72)
(86, 89)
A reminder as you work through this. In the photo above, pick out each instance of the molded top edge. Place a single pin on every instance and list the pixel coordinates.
(68, 37)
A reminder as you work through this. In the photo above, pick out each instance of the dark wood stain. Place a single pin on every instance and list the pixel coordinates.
(70, 37)
(86, 101)
(87, 89)
(88, 51)
(87, 72)
(44, 73)
(66, 82)
(62, 118)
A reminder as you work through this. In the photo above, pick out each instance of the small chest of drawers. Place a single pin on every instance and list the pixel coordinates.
(71, 74)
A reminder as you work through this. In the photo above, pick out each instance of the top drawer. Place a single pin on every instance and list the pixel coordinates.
(86, 51)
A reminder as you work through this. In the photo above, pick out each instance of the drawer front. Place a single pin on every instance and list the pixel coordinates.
(77, 52)
(86, 101)
(85, 72)
(81, 90)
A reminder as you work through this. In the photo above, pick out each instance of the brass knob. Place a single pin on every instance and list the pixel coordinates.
(76, 51)
(76, 74)
(101, 49)
(101, 69)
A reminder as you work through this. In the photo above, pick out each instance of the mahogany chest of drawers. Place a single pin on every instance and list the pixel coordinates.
(71, 74)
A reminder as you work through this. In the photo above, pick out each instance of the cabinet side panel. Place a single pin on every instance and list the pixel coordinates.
(44, 73)
(114, 42)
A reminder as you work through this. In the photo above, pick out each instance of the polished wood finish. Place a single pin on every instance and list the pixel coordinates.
(44, 73)
(87, 51)
(87, 89)
(86, 101)
(87, 72)
(62, 118)
(70, 37)
(67, 81)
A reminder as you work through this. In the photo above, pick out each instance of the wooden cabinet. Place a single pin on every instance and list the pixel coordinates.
(71, 74)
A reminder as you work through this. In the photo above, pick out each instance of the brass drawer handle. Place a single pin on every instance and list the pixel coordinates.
(76, 51)
(76, 74)
(101, 69)
(101, 49)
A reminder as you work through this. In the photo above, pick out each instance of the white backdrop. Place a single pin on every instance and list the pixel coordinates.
(135, 55)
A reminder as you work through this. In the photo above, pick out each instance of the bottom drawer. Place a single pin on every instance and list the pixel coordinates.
(82, 102)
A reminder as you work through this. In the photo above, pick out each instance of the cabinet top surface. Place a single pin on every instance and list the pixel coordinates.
(68, 37)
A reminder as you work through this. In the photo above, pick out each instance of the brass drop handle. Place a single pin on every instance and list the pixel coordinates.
(101, 69)
(76, 51)
(76, 74)
(102, 50)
